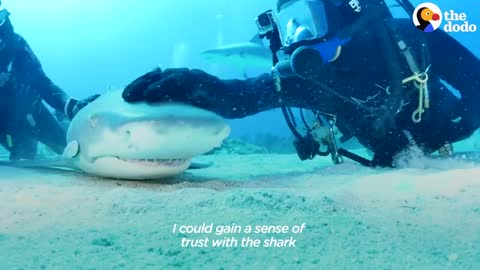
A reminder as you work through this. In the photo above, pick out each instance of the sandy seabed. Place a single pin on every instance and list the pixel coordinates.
(425, 216)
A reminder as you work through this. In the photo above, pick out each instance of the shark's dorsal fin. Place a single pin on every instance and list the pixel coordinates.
(256, 39)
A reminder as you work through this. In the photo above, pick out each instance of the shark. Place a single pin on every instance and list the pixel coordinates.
(245, 55)
(137, 141)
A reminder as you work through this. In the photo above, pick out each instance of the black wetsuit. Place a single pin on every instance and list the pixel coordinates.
(24, 119)
(361, 73)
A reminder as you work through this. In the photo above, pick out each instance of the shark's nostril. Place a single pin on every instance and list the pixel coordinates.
(93, 122)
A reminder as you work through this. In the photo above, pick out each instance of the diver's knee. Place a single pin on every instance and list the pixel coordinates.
(383, 160)
(24, 151)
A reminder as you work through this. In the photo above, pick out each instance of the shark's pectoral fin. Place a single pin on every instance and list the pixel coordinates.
(196, 165)
(57, 162)
(72, 150)
(63, 161)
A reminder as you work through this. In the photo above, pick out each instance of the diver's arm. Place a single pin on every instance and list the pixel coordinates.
(229, 98)
(30, 69)
(456, 65)
(241, 98)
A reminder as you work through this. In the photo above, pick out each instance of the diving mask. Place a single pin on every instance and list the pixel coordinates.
(300, 21)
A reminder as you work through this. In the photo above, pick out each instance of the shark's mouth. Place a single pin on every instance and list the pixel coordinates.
(155, 162)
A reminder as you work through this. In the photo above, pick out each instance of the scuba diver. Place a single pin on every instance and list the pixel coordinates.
(23, 88)
(374, 77)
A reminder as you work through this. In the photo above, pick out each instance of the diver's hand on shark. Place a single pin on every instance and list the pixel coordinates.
(135, 91)
(173, 85)
(158, 85)
(73, 106)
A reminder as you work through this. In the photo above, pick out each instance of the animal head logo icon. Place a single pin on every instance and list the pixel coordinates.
(427, 17)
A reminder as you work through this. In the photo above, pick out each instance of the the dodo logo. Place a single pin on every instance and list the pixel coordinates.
(427, 17)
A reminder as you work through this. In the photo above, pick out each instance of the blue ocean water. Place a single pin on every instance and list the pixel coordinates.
(87, 46)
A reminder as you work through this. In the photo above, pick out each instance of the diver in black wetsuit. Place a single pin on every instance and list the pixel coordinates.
(25, 120)
(379, 76)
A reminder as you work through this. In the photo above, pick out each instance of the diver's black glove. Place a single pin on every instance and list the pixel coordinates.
(307, 148)
(386, 121)
(73, 106)
(383, 124)
(194, 86)
(135, 91)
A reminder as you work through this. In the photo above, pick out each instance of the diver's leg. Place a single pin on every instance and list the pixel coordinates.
(25, 148)
(468, 121)
(387, 148)
(3, 142)
(15, 137)
(19, 140)
(48, 130)
(450, 120)
(22, 146)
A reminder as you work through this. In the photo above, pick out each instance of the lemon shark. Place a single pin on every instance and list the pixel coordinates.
(115, 139)
(245, 55)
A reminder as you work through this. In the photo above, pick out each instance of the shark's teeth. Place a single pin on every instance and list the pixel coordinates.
(156, 162)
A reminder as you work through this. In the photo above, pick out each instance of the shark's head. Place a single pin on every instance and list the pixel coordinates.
(141, 141)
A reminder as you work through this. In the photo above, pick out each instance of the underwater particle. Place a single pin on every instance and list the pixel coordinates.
(327, 200)
(205, 203)
(102, 242)
(173, 253)
(453, 257)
